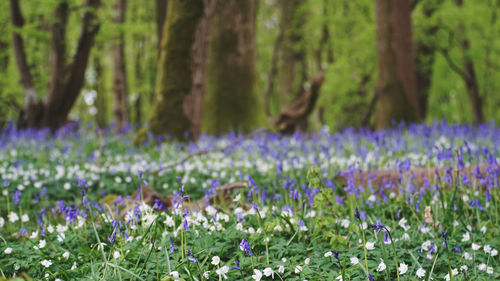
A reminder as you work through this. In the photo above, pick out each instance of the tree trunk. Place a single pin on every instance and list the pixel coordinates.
(293, 70)
(180, 75)
(160, 15)
(396, 87)
(232, 102)
(60, 101)
(469, 74)
(66, 80)
(31, 114)
(120, 78)
(425, 50)
(101, 102)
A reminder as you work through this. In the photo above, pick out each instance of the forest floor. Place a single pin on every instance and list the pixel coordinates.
(410, 203)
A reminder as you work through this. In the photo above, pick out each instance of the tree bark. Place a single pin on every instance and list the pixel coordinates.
(161, 15)
(32, 104)
(180, 75)
(232, 102)
(425, 50)
(66, 81)
(469, 74)
(396, 87)
(60, 101)
(120, 78)
(293, 69)
(101, 101)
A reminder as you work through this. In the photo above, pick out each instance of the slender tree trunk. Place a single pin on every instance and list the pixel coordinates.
(180, 75)
(32, 112)
(425, 53)
(396, 87)
(469, 74)
(66, 80)
(120, 78)
(60, 101)
(160, 15)
(232, 101)
(101, 101)
(293, 70)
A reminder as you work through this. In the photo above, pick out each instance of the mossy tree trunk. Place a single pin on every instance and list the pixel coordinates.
(425, 51)
(121, 112)
(180, 71)
(101, 102)
(293, 66)
(396, 86)
(231, 100)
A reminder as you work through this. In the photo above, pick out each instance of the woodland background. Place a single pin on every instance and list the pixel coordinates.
(173, 66)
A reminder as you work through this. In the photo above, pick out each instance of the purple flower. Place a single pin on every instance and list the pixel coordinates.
(237, 267)
(335, 254)
(16, 196)
(356, 213)
(171, 247)
(245, 246)
(192, 257)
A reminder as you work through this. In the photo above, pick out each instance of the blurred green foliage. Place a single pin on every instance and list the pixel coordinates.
(350, 78)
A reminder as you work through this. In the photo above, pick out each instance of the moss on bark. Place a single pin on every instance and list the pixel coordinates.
(231, 98)
(174, 76)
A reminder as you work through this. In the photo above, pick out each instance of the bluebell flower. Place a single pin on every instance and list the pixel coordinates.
(245, 246)
(191, 257)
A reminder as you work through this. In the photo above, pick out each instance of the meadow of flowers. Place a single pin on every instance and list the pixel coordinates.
(71, 206)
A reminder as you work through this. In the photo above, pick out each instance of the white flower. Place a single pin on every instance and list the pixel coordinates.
(381, 266)
(426, 245)
(482, 267)
(257, 275)
(215, 260)
(339, 278)
(278, 228)
(73, 267)
(467, 256)
(281, 269)
(13, 217)
(2, 222)
(116, 254)
(420, 273)
(403, 268)
(65, 255)
(475, 246)
(268, 272)
(25, 218)
(405, 237)
(489, 270)
(50, 228)
(483, 229)
(34, 235)
(345, 223)
(222, 271)
(8, 250)
(307, 261)
(487, 249)
(370, 245)
(298, 269)
(237, 198)
(494, 252)
(354, 260)
(42, 244)
(174, 274)
(206, 274)
(328, 254)
(402, 223)
(465, 237)
(463, 268)
(46, 263)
